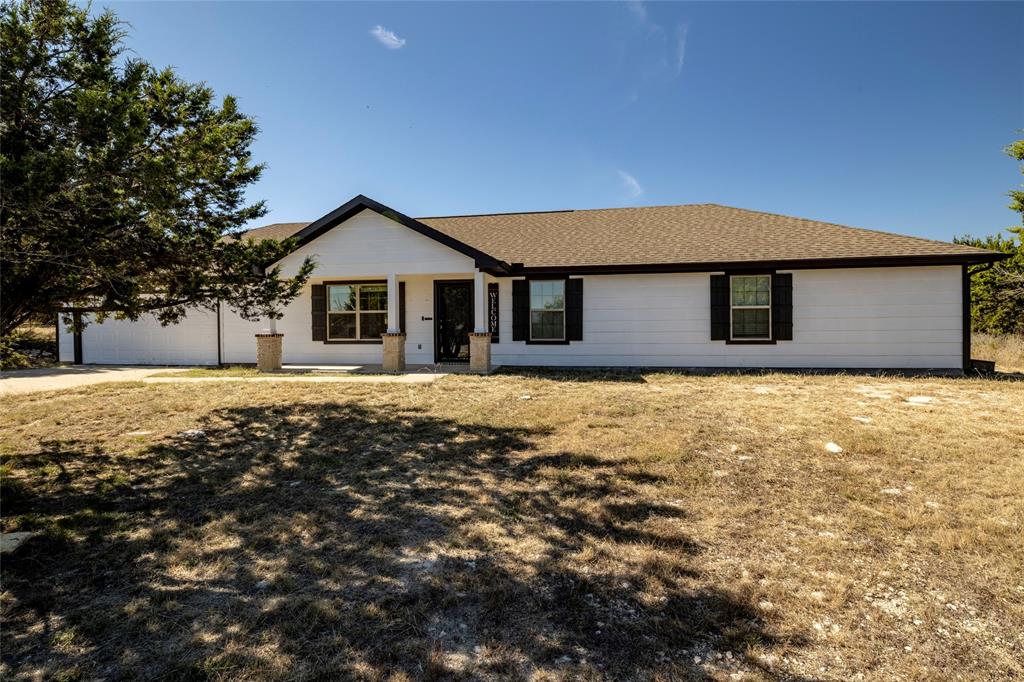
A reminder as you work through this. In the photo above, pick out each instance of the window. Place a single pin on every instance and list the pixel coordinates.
(357, 311)
(547, 310)
(751, 307)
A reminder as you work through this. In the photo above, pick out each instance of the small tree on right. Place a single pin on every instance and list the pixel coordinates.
(997, 294)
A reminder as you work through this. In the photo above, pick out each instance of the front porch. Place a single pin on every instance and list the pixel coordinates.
(416, 322)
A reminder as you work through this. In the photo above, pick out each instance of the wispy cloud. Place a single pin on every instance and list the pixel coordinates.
(631, 185)
(661, 50)
(681, 31)
(387, 38)
(638, 8)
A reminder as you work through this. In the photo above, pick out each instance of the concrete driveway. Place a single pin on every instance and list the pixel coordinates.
(59, 378)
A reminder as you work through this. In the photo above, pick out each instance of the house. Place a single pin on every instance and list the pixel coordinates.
(703, 286)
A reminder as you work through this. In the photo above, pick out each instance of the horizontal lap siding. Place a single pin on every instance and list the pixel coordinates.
(367, 246)
(856, 318)
(193, 341)
(299, 348)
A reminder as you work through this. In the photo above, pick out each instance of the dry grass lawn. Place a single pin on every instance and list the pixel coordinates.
(623, 526)
(1007, 350)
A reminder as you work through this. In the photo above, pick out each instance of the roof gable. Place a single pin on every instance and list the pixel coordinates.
(360, 202)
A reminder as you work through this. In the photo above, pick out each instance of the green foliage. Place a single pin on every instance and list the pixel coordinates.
(121, 180)
(997, 303)
(997, 294)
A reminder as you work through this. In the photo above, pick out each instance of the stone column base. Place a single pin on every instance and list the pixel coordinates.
(268, 352)
(480, 352)
(394, 352)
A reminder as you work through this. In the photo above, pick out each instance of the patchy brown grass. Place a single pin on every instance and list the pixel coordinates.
(1007, 350)
(554, 526)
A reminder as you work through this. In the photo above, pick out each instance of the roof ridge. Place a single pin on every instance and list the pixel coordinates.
(561, 210)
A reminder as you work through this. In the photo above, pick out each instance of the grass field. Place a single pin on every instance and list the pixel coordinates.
(618, 526)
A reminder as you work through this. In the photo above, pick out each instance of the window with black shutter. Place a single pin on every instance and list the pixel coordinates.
(752, 308)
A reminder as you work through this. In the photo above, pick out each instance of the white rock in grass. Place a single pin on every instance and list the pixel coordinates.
(920, 399)
(862, 420)
(891, 491)
(526, 397)
(193, 433)
(833, 448)
(138, 433)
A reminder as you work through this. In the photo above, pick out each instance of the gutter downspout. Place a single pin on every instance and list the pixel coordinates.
(220, 342)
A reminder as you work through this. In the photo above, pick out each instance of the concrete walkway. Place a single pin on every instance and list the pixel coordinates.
(343, 379)
(59, 378)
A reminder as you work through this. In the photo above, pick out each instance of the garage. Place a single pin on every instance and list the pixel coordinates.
(193, 341)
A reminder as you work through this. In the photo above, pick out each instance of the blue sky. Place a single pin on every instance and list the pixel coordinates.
(883, 115)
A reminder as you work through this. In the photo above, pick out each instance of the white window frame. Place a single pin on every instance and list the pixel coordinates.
(529, 292)
(357, 312)
(732, 337)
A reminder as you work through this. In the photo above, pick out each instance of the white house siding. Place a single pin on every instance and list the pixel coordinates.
(298, 344)
(193, 341)
(370, 245)
(367, 246)
(65, 342)
(854, 318)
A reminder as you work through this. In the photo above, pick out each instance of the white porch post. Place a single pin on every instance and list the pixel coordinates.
(479, 303)
(393, 352)
(393, 327)
(480, 339)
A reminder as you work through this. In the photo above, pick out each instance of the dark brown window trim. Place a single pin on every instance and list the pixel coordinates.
(553, 277)
(749, 342)
(350, 342)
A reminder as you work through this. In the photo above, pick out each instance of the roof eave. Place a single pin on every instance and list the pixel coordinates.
(777, 264)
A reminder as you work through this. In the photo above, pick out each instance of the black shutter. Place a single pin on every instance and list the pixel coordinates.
(574, 310)
(77, 331)
(492, 311)
(401, 307)
(319, 312)
(520, 310)
(782, 307)
(719, 307)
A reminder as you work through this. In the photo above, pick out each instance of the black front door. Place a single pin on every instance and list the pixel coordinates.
(453, 320)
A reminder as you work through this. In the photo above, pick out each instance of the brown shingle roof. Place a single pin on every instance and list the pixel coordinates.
(662, 235)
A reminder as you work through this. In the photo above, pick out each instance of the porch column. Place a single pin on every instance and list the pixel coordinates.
(480, 339)
(393, 359)
(479, 303)
(393, 326)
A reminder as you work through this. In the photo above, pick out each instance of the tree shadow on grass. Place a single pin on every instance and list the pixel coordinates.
(338, 540)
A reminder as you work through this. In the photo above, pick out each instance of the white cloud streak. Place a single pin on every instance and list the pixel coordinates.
(387, 38)
(681, 31)
(631, 185)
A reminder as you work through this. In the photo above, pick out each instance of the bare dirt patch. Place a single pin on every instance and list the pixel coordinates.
(600, 529)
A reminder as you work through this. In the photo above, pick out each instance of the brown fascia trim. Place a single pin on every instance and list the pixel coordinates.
(754, 266)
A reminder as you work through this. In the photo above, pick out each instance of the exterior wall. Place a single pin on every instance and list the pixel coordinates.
(846, 318)
(299, 348)
(65, 342)
(899, 318)
(368, 245)
(193, 341)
